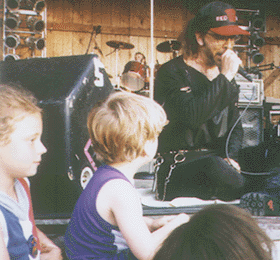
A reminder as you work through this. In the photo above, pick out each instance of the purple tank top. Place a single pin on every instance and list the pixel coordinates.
(88, 235)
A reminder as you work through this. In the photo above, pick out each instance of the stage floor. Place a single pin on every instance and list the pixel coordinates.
(154, 208)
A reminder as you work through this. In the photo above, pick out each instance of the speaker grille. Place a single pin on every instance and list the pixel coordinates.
(252, 123)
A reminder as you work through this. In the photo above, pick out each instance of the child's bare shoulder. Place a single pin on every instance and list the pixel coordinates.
(118, 189)
(117, 196)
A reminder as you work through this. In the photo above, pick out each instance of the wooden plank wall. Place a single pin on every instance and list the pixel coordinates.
(271, 51)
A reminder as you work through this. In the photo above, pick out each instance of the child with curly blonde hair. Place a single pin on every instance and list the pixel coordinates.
(107, 222)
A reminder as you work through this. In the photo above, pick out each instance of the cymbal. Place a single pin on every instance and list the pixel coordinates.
(169, 46)
(120, 45)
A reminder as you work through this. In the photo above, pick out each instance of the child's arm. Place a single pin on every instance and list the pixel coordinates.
(127, 211)
(154, 224)
(4, 254)
(49, 249)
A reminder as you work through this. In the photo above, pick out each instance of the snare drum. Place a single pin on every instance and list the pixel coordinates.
(134, 76)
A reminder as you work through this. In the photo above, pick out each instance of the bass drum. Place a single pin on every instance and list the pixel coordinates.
(134, 76)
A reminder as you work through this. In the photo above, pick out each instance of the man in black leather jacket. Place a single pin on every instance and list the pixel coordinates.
(199, 95)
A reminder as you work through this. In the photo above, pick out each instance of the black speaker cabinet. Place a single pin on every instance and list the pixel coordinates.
(259, 154)
(250, 157)
(252, 123)
(67, 87)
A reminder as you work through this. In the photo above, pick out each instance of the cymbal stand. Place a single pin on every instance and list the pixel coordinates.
(117, 76)
(116, 50)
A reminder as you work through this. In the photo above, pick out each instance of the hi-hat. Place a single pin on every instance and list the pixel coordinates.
(169, 46)
(120, 45)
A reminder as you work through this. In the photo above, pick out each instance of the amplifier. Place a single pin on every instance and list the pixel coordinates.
(251, 92)
(67, 88)
(252, 124)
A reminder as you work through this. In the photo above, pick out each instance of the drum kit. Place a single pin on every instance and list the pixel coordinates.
(136, 75)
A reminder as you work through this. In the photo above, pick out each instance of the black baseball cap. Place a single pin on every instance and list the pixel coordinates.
(220, 18)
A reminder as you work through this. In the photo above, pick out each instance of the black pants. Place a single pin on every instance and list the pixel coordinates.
(201, 175)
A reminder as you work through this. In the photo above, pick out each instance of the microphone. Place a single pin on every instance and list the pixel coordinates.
(244, 73)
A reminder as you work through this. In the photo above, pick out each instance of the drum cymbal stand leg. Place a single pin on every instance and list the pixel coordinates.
(117, 75)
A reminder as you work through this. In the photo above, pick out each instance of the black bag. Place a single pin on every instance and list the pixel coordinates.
(174, 177)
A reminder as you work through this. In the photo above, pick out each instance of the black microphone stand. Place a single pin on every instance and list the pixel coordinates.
(96, 30)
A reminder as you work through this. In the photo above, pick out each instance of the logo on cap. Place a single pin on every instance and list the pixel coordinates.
(231, 16)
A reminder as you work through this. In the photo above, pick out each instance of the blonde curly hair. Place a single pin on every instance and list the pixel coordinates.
(120, 126)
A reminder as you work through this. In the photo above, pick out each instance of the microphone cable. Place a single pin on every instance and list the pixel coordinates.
(230, 133)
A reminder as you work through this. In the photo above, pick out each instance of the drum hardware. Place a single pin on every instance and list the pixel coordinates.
(134, 76)
(169, 46)
(120, 45)
(117, 45)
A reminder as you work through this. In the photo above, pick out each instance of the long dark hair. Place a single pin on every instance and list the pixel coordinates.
(195, 25)
(220, 232)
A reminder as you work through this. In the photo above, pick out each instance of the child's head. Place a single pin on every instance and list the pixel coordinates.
(20, 133)
(120, 126)
(220, 232)
(15, 103)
